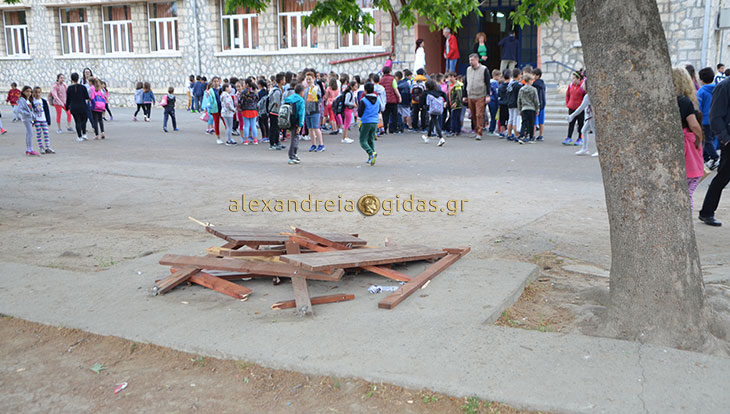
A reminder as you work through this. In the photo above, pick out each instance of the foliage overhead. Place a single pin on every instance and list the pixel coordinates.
(540, 11)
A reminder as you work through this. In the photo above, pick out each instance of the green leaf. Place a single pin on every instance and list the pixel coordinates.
(98, 367)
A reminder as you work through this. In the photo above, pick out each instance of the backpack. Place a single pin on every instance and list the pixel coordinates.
(435, 105)
(338, 105)
(263, 105)
(405, 92)
(286, 116)
(99, 102)
(416, 92)
(163, 102)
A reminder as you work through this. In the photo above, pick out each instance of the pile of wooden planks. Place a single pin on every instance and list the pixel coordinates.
(301, 256)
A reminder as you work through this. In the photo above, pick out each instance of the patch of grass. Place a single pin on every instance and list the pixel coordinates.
(132, 347)
(4, 316)
(199, 360)
(98, 367)
(371, 391)
(106, 263)
(430, 399)
(337, 383)
(471, 406)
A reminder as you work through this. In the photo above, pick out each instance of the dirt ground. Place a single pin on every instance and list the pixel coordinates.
(48, 369)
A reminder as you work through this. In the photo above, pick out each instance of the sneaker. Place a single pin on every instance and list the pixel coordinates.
(176, 129)
(296, 157)
(372, 160)
(540, 138)
(2, 131)
(134, 118)
(235, 133)
(583, 151)
(335, 133)
(218, 141)
(31, 153)
(146, 119)
(49, 150)
(58, 131)
(347, 141)
(568, 141)
(295, 161)
(164, 129)
(256, 142)
(520, 141)
(265, 140)
(478, 137)
(111, 117)
(69, 129)
(79, 139)
(320, 148)
(441, 142)
(272, 147)
(595, 154)
(292, 162)
(84, 137)
(229, 143)
(312, 148)
(531, 141)
(305, 138)
(578, 142)
(425, 139)
(281, 147)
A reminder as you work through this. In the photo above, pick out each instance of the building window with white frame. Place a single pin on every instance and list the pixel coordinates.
(16, 33)
(293, 33)
(74, 31)
(240, 29)
(117, 29)
(363, 39)
(163, 26)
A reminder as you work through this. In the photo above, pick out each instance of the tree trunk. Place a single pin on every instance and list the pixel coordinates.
(656, 286)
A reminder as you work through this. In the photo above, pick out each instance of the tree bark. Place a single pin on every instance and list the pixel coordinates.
(656, 286)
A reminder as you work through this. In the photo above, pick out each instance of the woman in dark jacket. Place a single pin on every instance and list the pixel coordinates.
(480, 47)
(77, 98)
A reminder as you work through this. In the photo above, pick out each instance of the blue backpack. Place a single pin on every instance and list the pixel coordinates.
(435, 104)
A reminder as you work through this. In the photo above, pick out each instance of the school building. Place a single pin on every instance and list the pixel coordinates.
(125, 41)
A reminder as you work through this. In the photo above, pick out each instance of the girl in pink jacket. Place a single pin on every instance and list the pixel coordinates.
(58, 100)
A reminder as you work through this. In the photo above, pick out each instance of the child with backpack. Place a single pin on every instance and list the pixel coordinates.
(433, 100)
(456, 103)
(98, 107)
(502, 97)
(248, 104)
(106, 96)
(168, 102)
(404, 106)
(418, 113)
(291, 116)
(368, 110)
(228, 111)
(273, 106)
(348, 107)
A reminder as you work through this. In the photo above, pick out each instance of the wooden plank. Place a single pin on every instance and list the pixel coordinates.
(274, 237)
(229, 275)
(173, 280)
(317, 300)
(391, 301)
(299, 285)
(220, 251)
(380, 270)
(332, 240)
(221, 285)
(362, 257)
(249, 266)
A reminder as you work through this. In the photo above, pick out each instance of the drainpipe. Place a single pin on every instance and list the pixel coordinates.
(197, 44)
(377, 55)
(706, 31)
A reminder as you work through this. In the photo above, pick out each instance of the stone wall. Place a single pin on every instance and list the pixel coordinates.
(172, 68)
(683, 22)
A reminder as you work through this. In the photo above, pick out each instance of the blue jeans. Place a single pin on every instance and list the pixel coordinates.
(249, 124)
(456, 123)
(197, 103)
(493, 107)
(451, 65)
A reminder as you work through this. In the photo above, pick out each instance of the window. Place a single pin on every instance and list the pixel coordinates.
(117, 29)
(239, 30)
(163, 26)
(74, 31)
(364, 39)
(292, 30)
(16, 33)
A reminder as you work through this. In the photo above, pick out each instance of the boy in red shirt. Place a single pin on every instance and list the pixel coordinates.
(13, 96)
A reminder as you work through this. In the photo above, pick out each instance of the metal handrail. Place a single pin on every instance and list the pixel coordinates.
(561, 64)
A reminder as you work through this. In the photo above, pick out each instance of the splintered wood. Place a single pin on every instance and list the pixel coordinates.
(300, 256)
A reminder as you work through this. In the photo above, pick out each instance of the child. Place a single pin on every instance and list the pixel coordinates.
(228, 111)
(404, 107)
(330, 95)
(720, 73)
(513, 90)
(138, 92)
(380, 91)
(502, 97)
(539, 84)
(273, 105)
(434, 101)
(388, 64)
(588, 125)
(98, 106)
(25, 114)
(313, 112)
(368, 111)
(248, 104)
(105, 91)
(168, 102)
(494, 101)
(13, 96)
(528, 103)
(350, 99)
(148, 99)
(296, 101)
(41, 118)
(704, 98)
(191, 84)
(418, 114)
(693, 159)
(263, 113)
(198, 91)
(456, 96)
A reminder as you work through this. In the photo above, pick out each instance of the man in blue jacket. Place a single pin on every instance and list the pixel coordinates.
(719, 122)
(509, 47)
(704, 97)
(368, 110)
